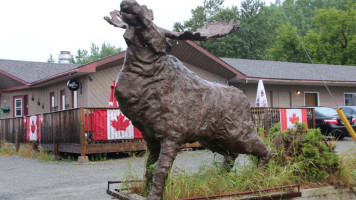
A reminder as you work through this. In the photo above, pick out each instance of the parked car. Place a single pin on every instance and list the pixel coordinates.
(348, 110)
(330, 123)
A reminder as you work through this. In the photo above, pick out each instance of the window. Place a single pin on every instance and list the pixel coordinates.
(63, 99)
(75, 99)
(18, 106)
(51, 105)
(350, 99)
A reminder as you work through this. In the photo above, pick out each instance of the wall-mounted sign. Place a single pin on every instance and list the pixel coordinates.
(73, 85)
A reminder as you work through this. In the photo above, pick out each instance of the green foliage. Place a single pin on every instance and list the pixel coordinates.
(83, 56)
(256, 33)
(308, 149)
(51, 59)
(326, 28)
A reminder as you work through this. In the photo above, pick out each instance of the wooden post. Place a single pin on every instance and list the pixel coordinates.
(56, 150)
(267, 121)
(17, 144)
(34, 146)
(82, 133)
(313, 118)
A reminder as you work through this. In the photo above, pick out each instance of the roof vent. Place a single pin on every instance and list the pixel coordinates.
(65, 57)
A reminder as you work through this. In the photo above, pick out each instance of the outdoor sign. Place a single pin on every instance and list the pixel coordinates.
(73, 84)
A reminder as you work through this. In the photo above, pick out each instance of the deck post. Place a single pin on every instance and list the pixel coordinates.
(313, 118)
(82, 158)
(82, 133)
(266, 121)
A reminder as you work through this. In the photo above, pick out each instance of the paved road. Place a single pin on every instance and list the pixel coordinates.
(23, 178)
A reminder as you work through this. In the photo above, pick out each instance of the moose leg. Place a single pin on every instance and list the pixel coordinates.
(167, 155)
(153, 148)
(229, 161)
(255, 146)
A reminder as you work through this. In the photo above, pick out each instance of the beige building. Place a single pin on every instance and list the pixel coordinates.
(29, 88)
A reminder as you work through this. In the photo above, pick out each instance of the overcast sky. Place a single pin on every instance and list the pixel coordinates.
(31, 30)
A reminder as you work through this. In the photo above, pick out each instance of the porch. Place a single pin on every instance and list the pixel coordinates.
(71, 131)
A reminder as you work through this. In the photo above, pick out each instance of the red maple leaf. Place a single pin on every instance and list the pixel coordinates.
(294, 118)
(33, 127)
(120, 124)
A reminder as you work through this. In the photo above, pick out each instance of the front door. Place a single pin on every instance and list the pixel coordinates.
(311, 99)
(284, 99)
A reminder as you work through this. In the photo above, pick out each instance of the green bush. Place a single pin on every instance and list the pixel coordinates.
(305, 147)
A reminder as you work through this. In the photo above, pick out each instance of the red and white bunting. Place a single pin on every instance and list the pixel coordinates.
(112, 125)
(290, 116)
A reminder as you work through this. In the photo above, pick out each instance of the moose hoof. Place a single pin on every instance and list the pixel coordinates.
(262, 161)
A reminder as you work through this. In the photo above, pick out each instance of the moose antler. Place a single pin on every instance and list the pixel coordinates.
(214, 30)
(115, 19)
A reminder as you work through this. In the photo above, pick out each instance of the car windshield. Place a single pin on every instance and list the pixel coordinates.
(326, 111)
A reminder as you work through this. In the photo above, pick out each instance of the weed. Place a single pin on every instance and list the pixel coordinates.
(7, 148)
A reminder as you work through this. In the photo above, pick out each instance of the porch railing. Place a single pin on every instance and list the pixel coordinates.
(71, 131)
(265, 118)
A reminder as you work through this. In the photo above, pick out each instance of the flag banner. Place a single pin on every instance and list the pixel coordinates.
(113, 125)
(33, 127)
(261, 98)
(112, 100)
(290, 116)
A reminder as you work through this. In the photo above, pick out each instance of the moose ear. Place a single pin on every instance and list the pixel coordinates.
(147, 12)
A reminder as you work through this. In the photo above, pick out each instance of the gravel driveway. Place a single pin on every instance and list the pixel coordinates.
(23, 178)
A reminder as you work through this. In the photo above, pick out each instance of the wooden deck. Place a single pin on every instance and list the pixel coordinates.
(70, 131)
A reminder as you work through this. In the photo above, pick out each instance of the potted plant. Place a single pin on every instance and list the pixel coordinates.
(5, 109)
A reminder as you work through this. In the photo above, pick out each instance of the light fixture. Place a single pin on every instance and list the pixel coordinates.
(298, 91)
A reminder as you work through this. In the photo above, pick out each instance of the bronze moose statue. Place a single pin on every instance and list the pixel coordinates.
(170, 104)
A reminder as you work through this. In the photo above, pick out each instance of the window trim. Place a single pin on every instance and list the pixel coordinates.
(317, 96)
(51, 94)
(75, 100)
(353, 93)
(22, 97)
(62, 101)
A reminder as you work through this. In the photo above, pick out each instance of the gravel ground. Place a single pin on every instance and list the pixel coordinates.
(23, 178)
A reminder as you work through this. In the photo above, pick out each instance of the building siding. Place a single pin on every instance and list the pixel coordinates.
(298, 100)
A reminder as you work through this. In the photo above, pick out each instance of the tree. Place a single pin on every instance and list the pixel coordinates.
(50, 59)
(96, 53)
(334, 38)
(257, 28)
(331, 38)
(287, 47)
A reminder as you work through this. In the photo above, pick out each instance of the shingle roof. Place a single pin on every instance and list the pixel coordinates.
(31, 72)
(293, 71)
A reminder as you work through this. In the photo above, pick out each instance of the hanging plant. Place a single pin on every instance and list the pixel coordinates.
(5, 109)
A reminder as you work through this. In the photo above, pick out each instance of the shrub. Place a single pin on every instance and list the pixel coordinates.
(308, 148)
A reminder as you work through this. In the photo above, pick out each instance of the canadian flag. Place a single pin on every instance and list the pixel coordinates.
(112, 125)
(33, 127)
(289, 116)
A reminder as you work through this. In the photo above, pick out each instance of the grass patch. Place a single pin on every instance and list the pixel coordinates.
(26, 151)
(300, 156)
(7, 149)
